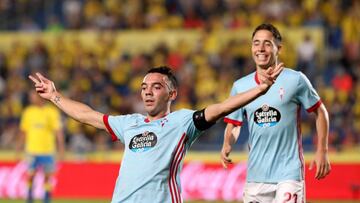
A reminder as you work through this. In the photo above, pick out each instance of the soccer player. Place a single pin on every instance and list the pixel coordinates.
(41, 129)
(155, 144)
(275, 165)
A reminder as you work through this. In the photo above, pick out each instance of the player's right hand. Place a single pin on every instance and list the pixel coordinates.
(225, 153)
(43, 86)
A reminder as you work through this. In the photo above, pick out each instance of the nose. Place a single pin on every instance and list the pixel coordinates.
(262, 47)
(148, 91)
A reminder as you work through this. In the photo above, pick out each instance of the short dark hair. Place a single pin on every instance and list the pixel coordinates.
(270, 28)
(165, 70)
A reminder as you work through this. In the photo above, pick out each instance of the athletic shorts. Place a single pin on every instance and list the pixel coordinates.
(46, 162)
(289, 191)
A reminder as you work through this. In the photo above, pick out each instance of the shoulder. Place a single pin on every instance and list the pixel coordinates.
(291, 75)
(288, 72)
(26, 112)
(181, 115)
(134, 116)
(182, 112)
(51, 108)
(30, 111)
(27, 109)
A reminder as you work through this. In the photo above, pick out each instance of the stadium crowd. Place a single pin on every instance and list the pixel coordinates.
(108, 79)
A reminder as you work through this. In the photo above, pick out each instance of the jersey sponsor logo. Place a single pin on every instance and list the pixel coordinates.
(143, 142)
(267, 116)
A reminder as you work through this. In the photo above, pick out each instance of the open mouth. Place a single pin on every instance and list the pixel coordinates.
(261, 57)
(149, 101)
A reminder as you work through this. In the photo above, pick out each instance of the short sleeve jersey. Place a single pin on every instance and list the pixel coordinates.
(274, 126)
(153, 155)
(40, 125)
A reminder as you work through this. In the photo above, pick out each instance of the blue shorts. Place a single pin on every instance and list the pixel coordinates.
(46, 162)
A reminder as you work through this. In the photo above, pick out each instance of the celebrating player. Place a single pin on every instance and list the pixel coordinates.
(276, 166)
(155, 144)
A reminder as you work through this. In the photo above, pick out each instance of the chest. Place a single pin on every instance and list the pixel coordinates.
(278, 105)
(143, 137)
(38, 120)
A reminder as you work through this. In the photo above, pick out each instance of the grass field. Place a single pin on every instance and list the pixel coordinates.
(105, 201)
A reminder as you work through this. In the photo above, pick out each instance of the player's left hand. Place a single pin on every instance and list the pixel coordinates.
(225, 155)
(322, 164)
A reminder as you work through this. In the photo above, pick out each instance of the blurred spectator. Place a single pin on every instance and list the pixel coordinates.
(306, 56)
(72, 12)
(28, 25)
(342, 81)
(107, 75)
(54, 24)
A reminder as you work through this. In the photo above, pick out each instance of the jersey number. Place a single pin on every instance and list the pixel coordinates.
(290, 196)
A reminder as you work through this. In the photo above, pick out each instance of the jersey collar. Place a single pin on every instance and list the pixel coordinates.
(147, 120)
(257, 78)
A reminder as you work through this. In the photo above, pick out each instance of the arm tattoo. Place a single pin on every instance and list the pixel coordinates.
(57, 99)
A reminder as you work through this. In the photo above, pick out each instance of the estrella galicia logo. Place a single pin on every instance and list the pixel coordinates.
(266, 116)
(143, 142)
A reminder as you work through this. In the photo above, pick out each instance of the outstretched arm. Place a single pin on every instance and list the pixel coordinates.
(79, 111)
(321, 160)
(215, 111)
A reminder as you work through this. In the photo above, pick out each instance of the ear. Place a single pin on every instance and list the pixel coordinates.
(172, 95)
(279, 49)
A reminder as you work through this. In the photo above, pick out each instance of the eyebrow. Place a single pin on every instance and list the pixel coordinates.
(155, 83)
(257, 40)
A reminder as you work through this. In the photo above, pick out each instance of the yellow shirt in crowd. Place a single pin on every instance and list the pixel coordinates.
(40, 125)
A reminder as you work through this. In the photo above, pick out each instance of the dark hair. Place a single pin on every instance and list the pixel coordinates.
(270, 28)
(165, 70)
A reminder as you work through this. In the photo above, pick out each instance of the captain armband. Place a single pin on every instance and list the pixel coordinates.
(200, 121)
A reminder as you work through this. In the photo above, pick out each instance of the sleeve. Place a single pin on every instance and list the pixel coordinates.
(115, 126)
(307, 95)
(188, 123)
(235, 117)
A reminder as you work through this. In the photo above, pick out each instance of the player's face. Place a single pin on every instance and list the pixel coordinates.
(263, 51)
(35, 98)
(156, 93)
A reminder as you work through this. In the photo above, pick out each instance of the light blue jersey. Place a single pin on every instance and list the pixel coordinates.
(153, 155)
(274, 125)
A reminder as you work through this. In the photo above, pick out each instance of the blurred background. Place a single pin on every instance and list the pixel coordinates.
(97, 52)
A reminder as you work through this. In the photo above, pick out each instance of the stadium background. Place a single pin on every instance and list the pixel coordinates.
(98, 51)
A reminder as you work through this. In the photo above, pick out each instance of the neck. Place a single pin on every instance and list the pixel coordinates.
(260, 72)
(159, 115)
(39, 104)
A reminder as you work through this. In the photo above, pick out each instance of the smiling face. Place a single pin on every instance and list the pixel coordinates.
(264, 49)
(157, 93)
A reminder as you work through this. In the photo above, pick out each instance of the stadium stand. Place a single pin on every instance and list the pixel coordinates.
(105, 46)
